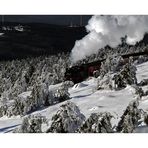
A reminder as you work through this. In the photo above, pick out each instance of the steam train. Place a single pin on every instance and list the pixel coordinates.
(80, 73)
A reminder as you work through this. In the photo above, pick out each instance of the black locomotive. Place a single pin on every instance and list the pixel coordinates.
(80, 73)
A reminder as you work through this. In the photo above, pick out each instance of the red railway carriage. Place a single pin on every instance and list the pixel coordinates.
(91, 69)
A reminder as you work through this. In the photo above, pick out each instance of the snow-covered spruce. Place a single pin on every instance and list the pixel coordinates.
(115, 75)
(39, 95)
(127, 75)
(97, 123)
(129, 119)
(105, 82)
(16, 108)
(112, 64)
(67, 119)
(139, 91)
(141, 59)
(21, 105)
(68, 84)
(62, 93)
(31, 124)
(59, 95)
(3, 110)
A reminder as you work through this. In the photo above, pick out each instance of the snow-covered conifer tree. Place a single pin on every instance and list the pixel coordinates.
(129, 119)
(31, 124)
(67, 119)
(97, 123)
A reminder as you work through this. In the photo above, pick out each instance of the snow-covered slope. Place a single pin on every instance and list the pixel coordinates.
(90, 100)
(142, 73)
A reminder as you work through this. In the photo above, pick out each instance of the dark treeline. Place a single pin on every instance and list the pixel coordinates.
(37, 39)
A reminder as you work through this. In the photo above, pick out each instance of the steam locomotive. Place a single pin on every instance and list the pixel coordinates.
(80, 73)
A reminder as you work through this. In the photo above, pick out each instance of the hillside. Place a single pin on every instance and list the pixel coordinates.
(90, 100)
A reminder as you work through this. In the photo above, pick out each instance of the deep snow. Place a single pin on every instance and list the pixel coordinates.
(90, 100)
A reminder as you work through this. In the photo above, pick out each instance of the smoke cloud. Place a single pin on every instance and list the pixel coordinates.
(108, 30)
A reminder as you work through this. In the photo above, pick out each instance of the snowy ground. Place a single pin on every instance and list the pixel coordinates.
(89, 100)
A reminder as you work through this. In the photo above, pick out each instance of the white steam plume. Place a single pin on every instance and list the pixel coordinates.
(108, 30)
